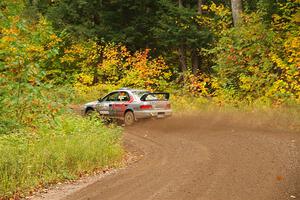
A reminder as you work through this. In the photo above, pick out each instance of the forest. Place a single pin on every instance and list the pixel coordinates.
(56, 53)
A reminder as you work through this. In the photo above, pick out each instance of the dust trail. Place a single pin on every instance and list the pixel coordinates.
(264, 121)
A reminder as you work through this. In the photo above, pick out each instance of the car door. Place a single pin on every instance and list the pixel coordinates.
(121, 104)
(105, 107)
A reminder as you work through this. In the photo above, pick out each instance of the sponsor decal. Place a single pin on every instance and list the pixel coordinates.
(104, 112)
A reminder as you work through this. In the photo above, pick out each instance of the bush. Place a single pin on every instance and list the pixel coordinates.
(112, 64)
(254, 62)
(41, 142)
(74, 145)
(25, 49)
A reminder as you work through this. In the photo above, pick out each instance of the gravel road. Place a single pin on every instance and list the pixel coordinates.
(205, 158)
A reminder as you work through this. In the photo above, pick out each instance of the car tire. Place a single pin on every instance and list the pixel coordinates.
(89, 112)
(129, 118)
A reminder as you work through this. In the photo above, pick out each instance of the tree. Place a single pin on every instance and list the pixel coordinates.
(179, 36)
(125, 21)
(194, 55)
(237, 9)
(182, 49)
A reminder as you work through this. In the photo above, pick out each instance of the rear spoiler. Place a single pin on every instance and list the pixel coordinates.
(166, 96)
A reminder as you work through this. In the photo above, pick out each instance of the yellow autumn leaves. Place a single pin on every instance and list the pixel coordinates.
(116, 65)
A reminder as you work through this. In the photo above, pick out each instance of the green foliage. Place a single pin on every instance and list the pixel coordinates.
(114, 20)
(40, 141)
(243, 62)
(56, 152)
(253, 62)
(177, 26)
(25, 50)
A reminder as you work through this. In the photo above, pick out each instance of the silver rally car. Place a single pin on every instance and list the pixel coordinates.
(131, 105)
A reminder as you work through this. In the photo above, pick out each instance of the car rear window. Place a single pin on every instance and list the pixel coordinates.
(155, 97)
(139, 93)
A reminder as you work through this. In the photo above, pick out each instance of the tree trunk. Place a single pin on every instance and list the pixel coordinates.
(195, 61)
(236, 6)
(194, 55)
(100, 61)
(199, 7)
(182, 58)
(180, 3)
(182, 49)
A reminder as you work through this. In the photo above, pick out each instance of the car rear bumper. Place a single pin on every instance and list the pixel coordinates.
(152, 113)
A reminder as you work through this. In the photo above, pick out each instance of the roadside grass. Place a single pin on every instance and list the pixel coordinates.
(73, 145)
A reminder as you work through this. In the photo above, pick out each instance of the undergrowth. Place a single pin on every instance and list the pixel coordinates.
(32, 159)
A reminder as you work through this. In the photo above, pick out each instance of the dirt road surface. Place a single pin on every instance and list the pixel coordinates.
(204, 158)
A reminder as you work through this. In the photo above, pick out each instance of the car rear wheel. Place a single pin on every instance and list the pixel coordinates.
(129, 118)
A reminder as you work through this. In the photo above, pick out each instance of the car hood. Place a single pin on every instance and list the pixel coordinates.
(91, 104)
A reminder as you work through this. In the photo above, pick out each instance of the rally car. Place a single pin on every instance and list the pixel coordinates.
(130, 105)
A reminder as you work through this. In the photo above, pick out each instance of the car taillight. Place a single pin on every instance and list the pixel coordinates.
(146, 107)
(168, 106)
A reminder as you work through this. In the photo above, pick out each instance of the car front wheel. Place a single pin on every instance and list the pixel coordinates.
(89, 112)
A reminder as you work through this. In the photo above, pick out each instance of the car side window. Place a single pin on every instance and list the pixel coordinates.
(123, 96)
(112, 97)
(151, 97)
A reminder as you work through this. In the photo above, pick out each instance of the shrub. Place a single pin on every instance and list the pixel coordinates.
(52, 153)
(110, 64)
(25, 50)
(40, 140)
(254, 62)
